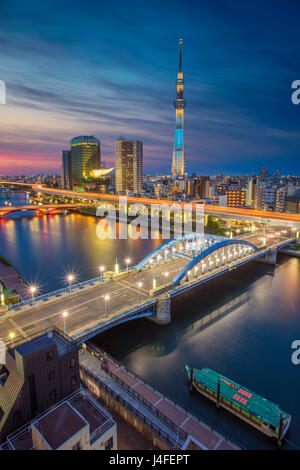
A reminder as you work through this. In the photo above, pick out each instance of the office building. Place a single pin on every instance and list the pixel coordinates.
(66, 171)
(85, 157)
(129, 165)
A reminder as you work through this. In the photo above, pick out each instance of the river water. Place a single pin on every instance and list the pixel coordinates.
(241, 325)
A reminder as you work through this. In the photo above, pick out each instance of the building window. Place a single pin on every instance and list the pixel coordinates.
(51, 375)
(109, 444)
(53, 395)
(49, 355)
(74, 380)
(17, 417)
(72, 362)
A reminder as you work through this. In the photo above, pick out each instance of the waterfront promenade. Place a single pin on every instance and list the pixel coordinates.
(165, 418)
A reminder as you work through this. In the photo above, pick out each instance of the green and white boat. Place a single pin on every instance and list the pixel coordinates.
(249, 406)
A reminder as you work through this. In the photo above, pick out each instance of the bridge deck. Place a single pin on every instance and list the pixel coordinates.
(85, 307)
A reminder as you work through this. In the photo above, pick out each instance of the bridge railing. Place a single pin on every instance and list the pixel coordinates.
(57, 293)
(146, 306)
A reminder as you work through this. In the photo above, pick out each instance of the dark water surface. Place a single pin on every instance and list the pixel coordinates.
(241, 325)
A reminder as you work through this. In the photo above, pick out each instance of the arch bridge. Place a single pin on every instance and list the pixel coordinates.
(208, 251)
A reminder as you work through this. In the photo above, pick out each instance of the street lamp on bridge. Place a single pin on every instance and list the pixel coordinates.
(64, 315)
(139, 285)
(11, 337)
(127, 261)
(106, 298)
(32, 290)
(101, 269)
(70, 279)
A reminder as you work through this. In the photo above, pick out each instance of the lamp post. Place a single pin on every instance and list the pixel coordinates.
(139, 285)
(106, 298)
(127, 261)
(64, 315)
(154, 282)
(70, 279)
(2, 300)
(11, 336)
(166, 274)
(32, 292)
(101, 269)
(116, 268)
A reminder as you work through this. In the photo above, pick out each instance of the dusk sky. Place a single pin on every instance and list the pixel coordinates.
(108, 68)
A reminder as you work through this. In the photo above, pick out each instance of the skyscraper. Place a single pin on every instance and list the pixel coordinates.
(129, 165)
(66, 174)
(178, 163)
(85, 157)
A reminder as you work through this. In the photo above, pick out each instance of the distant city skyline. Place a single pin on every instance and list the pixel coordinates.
(116, 77)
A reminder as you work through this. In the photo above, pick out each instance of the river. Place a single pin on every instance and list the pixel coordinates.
(242, 325)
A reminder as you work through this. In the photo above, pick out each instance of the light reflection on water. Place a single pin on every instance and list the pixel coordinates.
(242, 325)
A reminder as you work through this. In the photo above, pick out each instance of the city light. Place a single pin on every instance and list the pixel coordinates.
(116, 268)
(64, 315)
(33, 291)
(139, 285)
(101, 269)
(127, 261)
(106, 299)
(70, 278)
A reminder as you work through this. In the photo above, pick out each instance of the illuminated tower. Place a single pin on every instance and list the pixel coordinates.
(178, 151)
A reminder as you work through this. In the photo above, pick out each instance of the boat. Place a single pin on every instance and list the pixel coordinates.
(261, 413)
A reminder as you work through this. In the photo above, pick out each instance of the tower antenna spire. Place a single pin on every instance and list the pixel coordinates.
(180, 54)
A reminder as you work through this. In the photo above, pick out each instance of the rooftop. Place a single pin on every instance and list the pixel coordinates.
(63, 421)
(45, 340)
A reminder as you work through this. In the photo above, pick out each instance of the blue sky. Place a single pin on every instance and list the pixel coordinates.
(109, 69)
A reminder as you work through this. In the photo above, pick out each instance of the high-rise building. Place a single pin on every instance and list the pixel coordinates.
(178, 163)
(236, 197)
(129, 165)
(66, 173)
(85, 157)
(251, 192)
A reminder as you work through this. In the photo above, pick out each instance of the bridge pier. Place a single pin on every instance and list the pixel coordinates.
(270, 258)
(163, 310)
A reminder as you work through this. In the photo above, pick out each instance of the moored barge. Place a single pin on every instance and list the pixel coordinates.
(261, 413)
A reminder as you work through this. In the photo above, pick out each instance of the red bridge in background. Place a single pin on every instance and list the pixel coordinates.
(41, 208)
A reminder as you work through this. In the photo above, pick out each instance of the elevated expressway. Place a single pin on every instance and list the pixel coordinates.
(145, 290)
(251, 215)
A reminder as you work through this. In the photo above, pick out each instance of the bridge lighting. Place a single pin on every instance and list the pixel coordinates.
(139, 285)
(106, 298)
(166, 274)
(154, 282)
(101, 269)
(32, 290)
(127, 261)
(70, 280)
(11, 337)
(116, 268)
(64, 315)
